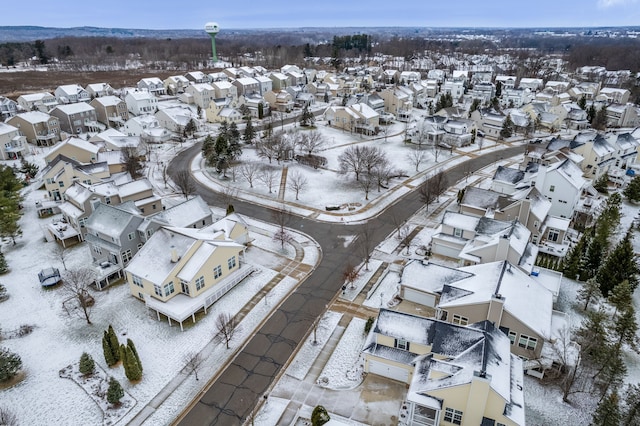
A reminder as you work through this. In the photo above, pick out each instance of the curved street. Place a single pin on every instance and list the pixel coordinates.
(230, 397)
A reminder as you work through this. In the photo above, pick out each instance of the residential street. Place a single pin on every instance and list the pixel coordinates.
(231, 396)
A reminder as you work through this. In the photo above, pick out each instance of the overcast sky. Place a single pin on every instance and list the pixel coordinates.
(191, 14)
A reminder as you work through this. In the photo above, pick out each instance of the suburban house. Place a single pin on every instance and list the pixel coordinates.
(279, 81)
(42, 102)
(181, 271)
(197, 77)
(507, 81)
(115, 140)
(488, 121)
(176, 84)
(533, 84)
(225, 90)
(13, 145)
(141, 102)
(613, 95)
(279, 100)
(397, 102)
(201, 93)
(475, 381)
(176, 118)
(147, 128)
(622, 115)
(219, 112)
(98, 90)
(266, 84)
(71, 93)
(246, 86)
(484, 92)
(8, 108)
(62, 172)
(153, 85)
(359, 118)
(39, 128)
(562, 184)
(76, 118)
(75, 148)
(110, 110)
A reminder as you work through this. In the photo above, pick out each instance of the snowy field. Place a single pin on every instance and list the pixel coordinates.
(345, 367)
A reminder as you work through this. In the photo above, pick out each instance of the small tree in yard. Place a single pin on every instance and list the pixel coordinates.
(3, 293)
(350, 274)
(87, 365)
(319, 416)
(590, 292)
(192, 362)
(250, 172)
(306, 119)
(184, 182)
(8, 417)
(76, 288)
(131, 161)
(135, 353)
(10, 364)
(297, 183)
(226, 327)
(114, 392)
(281, 218)
(602, 184)
(632, 191)
(129, 362)
(507, 128)
(268, 176)
(4, 268)
(417, 156)
(608, 411)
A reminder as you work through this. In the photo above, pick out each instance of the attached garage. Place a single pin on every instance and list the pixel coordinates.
(445, 250)
(389, 371)
(417, 296)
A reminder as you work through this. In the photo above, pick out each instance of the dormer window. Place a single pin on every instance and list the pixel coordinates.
(402, 344)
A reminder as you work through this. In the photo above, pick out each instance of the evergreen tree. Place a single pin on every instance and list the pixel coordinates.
(626, 327)
(591, 113)
(107, 351)
(114, 344)
(190, 128)
(621, 297)
(602, 184)
(208, 148)
(319, 416)
(4, 268)
(593, 336)
(260, 111)
(507, 128)
(608, 411)
(618, 266)
(135, 353)
(614, 371)
(474, 106)
(87, 365)
(114, 392)
(130, 364)
(10, 364)
(582, 103)
(10, 203)
(600, 120)
(233, 136)
(632, 191)
(571, 265)
(249, 132)
(590, 292)
(30, 170)
(306, 119)
(631, 412)
(498, 89)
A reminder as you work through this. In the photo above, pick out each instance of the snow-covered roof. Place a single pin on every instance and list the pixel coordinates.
(184, 214)
(460, 221)
(34, 117)
(484, 198)
(76, 108)
(365, 110)
(571, 172)
(508, 175)
(195, 262)
(108, 100)
(34, 97)
(109, 220)
(559, 223)
(429, 277)
(519, 291)
(7, 128)
(134, 187)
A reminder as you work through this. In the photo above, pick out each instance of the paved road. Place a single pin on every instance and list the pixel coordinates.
(231, 397)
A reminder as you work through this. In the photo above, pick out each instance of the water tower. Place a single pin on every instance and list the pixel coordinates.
(212, 29)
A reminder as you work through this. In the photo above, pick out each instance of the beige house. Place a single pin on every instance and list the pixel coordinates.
(39, 128)
(359, 118)
(110, 110)
(75, 148)
(397, 102)
(279, 100)
(201, 93)
(42, 101)
(181, 271)
(176, 84)
(473, 381)
(62, 172)
(12, 144)
(219, 112)
(97, 90)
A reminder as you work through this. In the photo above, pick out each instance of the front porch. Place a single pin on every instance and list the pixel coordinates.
(181, 306)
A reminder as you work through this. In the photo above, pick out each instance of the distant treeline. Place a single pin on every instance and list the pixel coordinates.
(275, 49)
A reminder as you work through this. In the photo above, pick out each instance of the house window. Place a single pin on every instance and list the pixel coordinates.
(107, 200)
(137, 281)
(453, 416)
(402, 344)
(535, 224)
(168, 288)
(460, 320)
(553, 235)
(157, 290)
(512, 337)
(457, 232)
(132, 235)
(98, 250)
(200, 283)
(184, 286)
(552, 188)
(126, 256)
(61, 184)
(140, 246)
(231, 263)
(217, 272)
(82, 221)
(527, 342)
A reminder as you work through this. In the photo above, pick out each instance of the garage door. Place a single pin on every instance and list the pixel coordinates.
(444, 250)
(419, 297)
(389, 371)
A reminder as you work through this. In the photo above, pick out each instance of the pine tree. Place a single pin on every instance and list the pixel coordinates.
(87, 365)
(234, 134)
(602, 184)
(590, 292)
(618, 266)
(626, 327)
(107, 351)
(621, 297)
(249, 132)
(10, 364)
(306, 119)
(208, 148)
(135, 352)
(608, 411)
(631, 412)
(582, 103)
(131, 369)
(10, 202)
(4, 268)
(114, 392)
(114, 344)
(507, 128)
(632, 191)
(571, 264)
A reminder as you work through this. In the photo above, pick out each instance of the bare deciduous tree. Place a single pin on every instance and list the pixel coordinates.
(131, 161)
(365, 243)
(226, 327)
(192, 361)
(8, 417)
(165, 175)
(75, 286)
(297, 182)
(184, 182)
(366, 183)
(438, 181)
(250, 171)
(350, 274)
(416, 157)
(381, 172)
(281, 217)
(60, 253)
(311, 141)
(268, 176)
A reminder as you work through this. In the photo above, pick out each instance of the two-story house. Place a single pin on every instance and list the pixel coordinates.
(71, 93)
(75, 148)
(39, 128)
(76, 118)
(98, 90)
(62, 172)
(176, 118)
(153, 85)
(8, 108)
(13, 145)
(43, 102)
(201, 93)
(147, 128)
(247, 85)
(140, 102)
(474, 381)
(110, 110)
(225, 90)
(279, 100)
(176, 84)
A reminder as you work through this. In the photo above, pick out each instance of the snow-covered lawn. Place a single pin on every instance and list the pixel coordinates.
(344, 368)
(383, 294)
(352, 290)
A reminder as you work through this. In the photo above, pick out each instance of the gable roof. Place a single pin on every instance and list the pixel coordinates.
(431, 277)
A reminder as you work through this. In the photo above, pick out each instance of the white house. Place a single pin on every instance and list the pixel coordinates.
(141, 102)
(562, 183)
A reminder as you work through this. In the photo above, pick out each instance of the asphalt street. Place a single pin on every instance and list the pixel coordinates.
(231, 397)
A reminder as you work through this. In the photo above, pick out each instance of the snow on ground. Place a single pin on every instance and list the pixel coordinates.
(352, 290)
(344, 368)
(309, 351)
(384, 293)
(267, 242)
(270, 412)
(42, 398)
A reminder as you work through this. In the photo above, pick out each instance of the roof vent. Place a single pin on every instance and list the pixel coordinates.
(174, 255)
